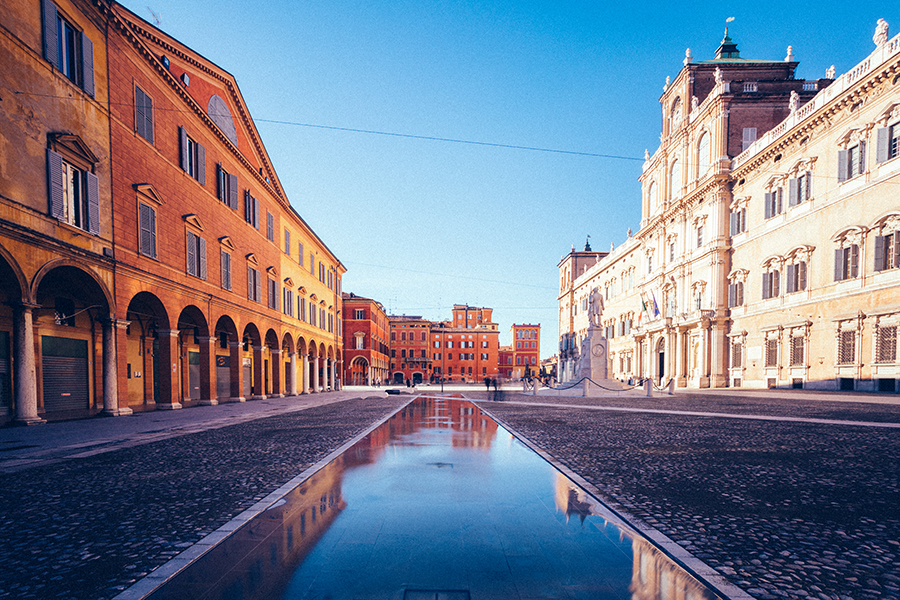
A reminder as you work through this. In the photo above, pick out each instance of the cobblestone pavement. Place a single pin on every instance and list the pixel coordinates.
(783, 509)
(88, 528)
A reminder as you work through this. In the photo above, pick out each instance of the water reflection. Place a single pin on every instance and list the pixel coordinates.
(438, 499)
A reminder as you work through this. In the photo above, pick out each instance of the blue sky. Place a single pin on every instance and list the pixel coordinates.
(422, 224)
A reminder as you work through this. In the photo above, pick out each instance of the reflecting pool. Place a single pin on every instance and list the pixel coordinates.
(437, 503)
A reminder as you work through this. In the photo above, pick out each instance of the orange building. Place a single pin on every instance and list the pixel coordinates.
(149, 257)
(505, 362)
(467, 347)
(410, 354)
(366, 350)
(522, 357)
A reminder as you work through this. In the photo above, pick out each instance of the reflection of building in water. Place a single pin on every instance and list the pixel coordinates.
(656, 577)
(266, 551)
(572, 500)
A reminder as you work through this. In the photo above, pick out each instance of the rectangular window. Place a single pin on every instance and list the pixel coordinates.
(738, 221)
(699, 236)
(287, 242)
(736, 294)
(886, 344)
(748, 137)
(287, 306)
(270, 226)
(67, 48)
(251, 209)
(312, 263)
(193, 156)
(143, 114)
(852, 161)
(800, 189)
(887, 251)
(227, 187)
(797, 350)
(772, 352)
(226, 270)
(736, 354)
(359, 342)
(196, 255)
(887, 143)
(671, 259)
(359, 314)
(773, 202)
(300, 253)
(273, 294)
(771, 284)
(148, 230)
(847, 348)
(846, 262)
(301, 310)
(796, 277)
(254, 284)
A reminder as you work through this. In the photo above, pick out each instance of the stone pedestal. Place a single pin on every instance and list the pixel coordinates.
(592, 362)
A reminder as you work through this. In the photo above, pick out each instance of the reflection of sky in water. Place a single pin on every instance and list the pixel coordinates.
(440, 504)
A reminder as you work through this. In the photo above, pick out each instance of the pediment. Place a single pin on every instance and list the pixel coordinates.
(289, 282)
(149, 193)
(193, 220)
(271, 271)
(226, 242)
(251, 258)
(74, 146)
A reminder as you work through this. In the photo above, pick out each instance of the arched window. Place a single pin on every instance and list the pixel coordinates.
(675, 180)
(676, 114)
(703, 158)
(651, 198)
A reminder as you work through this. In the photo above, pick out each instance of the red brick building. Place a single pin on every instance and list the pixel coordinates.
(149, 257)
(366, 333)
(522, 357)
(467, 347)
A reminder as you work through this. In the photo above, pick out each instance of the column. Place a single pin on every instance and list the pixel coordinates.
(332, 364)
(680, 358)
(718, 372)
(304, 362)
(315, 374)
(237, 372)
(258, 393)
(25, 374)
(293, 368)
(208, 394)
(275, 361)
(167, 363)
(111, 329)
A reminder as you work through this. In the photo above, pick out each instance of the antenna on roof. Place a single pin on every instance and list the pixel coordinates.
(156, 20)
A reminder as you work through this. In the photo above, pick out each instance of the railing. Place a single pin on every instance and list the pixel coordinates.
(751, 86)
(840, 85)
(810, 86)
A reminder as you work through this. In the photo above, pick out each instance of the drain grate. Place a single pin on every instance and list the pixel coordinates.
(436, 595)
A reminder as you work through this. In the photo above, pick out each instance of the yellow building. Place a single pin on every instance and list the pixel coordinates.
(767, 251)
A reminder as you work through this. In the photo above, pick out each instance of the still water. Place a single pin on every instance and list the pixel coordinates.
(437, 503)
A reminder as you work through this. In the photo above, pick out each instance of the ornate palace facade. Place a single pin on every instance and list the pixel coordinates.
(767, 254)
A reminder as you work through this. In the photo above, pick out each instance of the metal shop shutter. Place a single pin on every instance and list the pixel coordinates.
(5, 388)
(65, 367)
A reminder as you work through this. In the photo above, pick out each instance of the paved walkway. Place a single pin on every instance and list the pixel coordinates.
(786, 494)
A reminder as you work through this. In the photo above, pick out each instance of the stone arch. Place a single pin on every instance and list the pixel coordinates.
(70, 266)
(149, 348)
(358, 371)
(194, 356)
(272, 364)
(12, 279)
(13, 287)
(227, 357)
(251, 362)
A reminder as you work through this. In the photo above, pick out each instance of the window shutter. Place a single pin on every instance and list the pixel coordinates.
(55, 182)
(202, 259)
(148, 118)
(770, 198)
(201, 164)
(776, 287)
(767, 286)
(854, 260)
(139, 119)
(191, 246)
(793, 192)
(87, 64)
(862, 156)
(733, 223)
(732, 294)
(232, 191)
(183, 147)
(808, 185)
(897, 249)
(51, 39)
(740, 293)
(257, 282)
(226, 270)
(250, 285)
(843, 165)
(221, 186)
(790, 278)
(93, 202)
(882, 144)
(879, 253)
(839, 264)
(255, 211)
(248, 207)
(801, 283)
